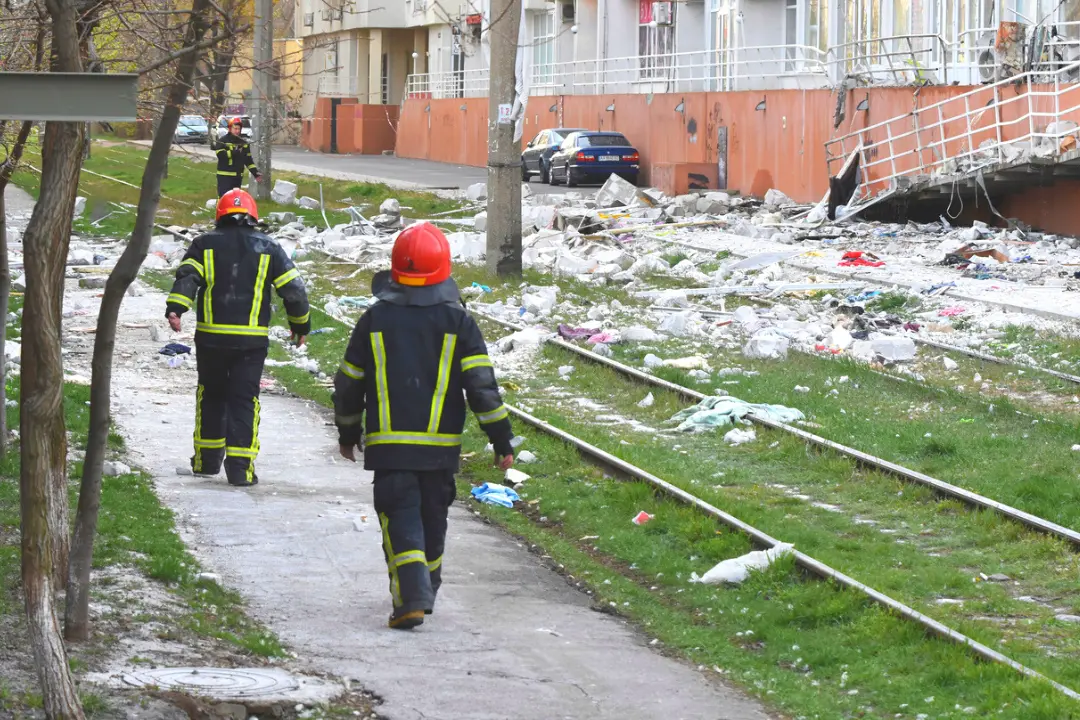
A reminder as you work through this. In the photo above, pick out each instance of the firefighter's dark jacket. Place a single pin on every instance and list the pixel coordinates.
(228, 276)
(413, 359)
(234, 156)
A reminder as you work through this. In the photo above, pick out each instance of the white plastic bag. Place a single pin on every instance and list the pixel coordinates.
(736, 570)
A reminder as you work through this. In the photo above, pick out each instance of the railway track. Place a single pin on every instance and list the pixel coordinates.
(965, 496)
(802, 560)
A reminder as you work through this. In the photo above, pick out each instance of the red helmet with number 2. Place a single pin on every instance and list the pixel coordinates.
(421, 256)
(237, 201)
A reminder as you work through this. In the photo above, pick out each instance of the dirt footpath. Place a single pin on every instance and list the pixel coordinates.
(509, 638)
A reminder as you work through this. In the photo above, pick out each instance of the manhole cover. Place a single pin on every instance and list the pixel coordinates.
(216, 682)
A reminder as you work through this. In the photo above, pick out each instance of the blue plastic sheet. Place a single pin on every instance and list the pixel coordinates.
(714, 412)
(495, 495)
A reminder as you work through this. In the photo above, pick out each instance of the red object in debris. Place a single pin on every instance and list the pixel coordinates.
(642, 518)
(854, 258)
(474, 19)
(819, 348)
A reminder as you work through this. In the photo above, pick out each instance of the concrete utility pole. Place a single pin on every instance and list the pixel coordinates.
(262, 93)
(504, 155)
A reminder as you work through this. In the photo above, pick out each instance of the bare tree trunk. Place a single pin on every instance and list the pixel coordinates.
(76, 620)
(7, 169)
(43, 476)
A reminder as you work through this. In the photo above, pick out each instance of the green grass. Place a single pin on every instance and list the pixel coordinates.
(644, 570)
(191, 182)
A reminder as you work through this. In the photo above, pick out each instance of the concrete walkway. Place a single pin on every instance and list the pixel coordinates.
(509, 638)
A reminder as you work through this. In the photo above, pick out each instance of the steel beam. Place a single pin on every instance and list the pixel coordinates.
(68, 97)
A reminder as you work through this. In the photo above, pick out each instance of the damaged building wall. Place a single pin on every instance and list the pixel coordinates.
(780, 146)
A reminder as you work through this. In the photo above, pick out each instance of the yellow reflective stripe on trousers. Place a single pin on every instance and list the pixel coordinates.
(494, 416)
(195, 264)
(413, 438)
(409, 556)
(437, 402)
(260, 285)
(231, 329)
(382, 389)
(233, 451)
(388, 548)
(210, 444)
(208, 293)
(180, 299)
(286, 277)
(351, 370)
(475, 361)
(435, 564)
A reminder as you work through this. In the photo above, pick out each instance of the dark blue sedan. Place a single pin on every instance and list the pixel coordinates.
(593, 156)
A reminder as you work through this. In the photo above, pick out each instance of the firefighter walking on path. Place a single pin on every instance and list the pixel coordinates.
(410, 357)
(228, 276)
(233, 159)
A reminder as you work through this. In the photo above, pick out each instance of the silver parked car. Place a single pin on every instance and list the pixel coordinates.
(192, 129)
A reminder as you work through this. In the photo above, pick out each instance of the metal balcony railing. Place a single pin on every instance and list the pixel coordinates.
(1031, 116)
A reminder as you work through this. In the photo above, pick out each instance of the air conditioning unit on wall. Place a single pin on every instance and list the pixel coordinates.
(662, 13)
(309, 19)
(568, 12)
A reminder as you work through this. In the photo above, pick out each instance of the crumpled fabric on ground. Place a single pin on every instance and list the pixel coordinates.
(604, 337)
(714, 412)
(952, 311)
(568, 333)
(495, 495)
(854, 258)
(174, 349)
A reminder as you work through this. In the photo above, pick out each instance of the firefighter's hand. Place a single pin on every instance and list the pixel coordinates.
(504, 463)
(174, 322)
(299, 340)
(348, 452)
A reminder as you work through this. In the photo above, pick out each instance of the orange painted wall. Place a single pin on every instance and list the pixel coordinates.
(1051, 208)
(374, 129)
(782, 146)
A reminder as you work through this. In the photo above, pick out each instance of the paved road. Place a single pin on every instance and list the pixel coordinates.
(402, 173)
(509, 638)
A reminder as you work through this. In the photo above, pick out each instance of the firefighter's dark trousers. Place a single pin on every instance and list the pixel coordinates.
(225, 183)
(412, 508)
(227, 411)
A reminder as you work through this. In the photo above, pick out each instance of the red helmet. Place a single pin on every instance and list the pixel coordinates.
(236, 122)
(421, 256)
(237, 201)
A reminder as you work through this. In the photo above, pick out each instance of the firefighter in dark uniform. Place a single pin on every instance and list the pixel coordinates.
(233, 159)
(228, 275)
(410, 357)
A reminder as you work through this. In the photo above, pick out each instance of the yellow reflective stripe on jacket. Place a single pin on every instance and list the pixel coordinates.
(349, 419)
(286, 277)
(299, 320)
(409, 556)
(260, 284)
(208, 293)
(494, 416)
(195, 264)
(439, 399)
(382, 388)
(413, 438)
(475, 361)
(351, 370)
(230, 173)
(231, 329)
(180, 299)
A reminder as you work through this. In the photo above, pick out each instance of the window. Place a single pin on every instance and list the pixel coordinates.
(817, 35)
(656, 45)
(542, 40)
(602, 141)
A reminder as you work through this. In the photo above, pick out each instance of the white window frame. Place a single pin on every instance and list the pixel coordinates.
(656, 45)
(543, 31)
